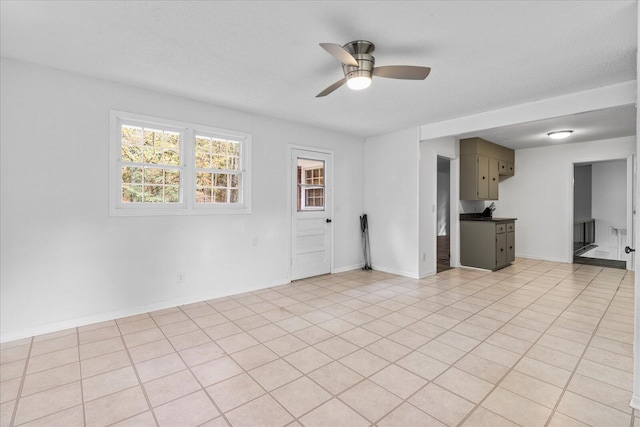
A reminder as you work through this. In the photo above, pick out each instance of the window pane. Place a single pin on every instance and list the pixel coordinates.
(203, 144)
(220, 195)
(233, 196)
(233, 163)
(172, 141)
(203, 195)
(234, 181)
(221, 180)
(219, 147)
(204, 179)
(153, 138)
(131, 193)
(172, 177)
(203, 160)
(234, 149)
(219, 162)
(152, 194)
(172, 194)
(131, 154)
(171, 157)
(131, 174)
(131, 135)
(153, 176)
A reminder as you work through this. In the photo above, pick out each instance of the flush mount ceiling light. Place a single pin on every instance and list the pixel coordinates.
(560, 134)
(358, 82)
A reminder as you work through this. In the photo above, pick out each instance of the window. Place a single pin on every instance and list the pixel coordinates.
(166, 167)
(310, 185)
(218, 174)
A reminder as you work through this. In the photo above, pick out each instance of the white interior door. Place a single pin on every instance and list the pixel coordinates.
(311, 174)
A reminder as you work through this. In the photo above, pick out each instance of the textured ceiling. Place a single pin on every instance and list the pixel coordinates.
(263, 57)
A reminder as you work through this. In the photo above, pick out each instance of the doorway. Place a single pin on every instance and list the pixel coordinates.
(601, 213)
(311, 196)
(443, 232)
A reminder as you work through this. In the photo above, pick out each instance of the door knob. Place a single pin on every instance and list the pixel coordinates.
(328, 220)
(628, 250)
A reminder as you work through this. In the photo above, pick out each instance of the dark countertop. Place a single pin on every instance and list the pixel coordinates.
(479, 217)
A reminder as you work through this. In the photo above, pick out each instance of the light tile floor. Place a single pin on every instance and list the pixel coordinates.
(534, 344)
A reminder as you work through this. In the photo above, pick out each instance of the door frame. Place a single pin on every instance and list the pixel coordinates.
(629, 202)
(290, 201)
(453, 216)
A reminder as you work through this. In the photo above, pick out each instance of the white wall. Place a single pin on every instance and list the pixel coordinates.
(540, 194)
(428, 193)
(391, 201)
(65, 262)
(609, 201)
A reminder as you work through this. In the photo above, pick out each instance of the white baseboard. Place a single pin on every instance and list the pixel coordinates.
(427, 274)
(347, 268)
(561, 260)
(635, 402)
(118, 314)
(396, 272)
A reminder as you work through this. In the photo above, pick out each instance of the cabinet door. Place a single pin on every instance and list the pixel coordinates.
(493, 179)
(503, 167)
(483, 177)
(501, 250)
(511, 247)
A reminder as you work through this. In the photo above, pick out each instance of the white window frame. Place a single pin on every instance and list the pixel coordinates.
(305, 187)
(188, 205)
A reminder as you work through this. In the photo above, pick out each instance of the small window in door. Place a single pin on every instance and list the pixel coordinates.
(310, 185)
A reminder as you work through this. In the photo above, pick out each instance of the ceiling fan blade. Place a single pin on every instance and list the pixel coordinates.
(339, 53)
(333, 87)
(407, 72)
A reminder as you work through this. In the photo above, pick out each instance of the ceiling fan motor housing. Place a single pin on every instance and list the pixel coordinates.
(361, 50)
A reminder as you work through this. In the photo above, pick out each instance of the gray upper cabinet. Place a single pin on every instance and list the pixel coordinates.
(481, 165)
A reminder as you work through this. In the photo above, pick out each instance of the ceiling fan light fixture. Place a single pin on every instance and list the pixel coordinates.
(359, 82)
(560, 134)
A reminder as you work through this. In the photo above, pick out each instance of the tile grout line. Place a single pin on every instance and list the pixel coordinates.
(406, 400)
(513, 315)
(511, 369)
(140, 384)
(22, 381)
(203, 388)
(573, 372)
(334, 316)
(84, 412)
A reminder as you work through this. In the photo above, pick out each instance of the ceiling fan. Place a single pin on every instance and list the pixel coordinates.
(358, 66)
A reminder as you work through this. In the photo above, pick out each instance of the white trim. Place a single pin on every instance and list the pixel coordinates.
(560, 260)
(133, 311)
(427, 274)
(635, 402)
(188, 131)
(347, 268)
(397, 272)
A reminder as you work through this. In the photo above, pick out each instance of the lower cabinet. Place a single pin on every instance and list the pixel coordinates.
(487, 244)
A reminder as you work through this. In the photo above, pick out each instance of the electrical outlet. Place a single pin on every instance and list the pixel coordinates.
(424, 256)
(180, 277)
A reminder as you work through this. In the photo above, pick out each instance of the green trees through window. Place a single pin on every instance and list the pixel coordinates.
(164, 164)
